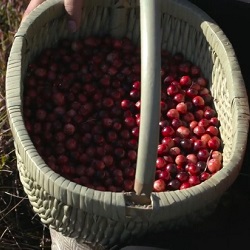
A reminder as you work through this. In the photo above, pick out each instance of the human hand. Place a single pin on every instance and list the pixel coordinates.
(72, 7)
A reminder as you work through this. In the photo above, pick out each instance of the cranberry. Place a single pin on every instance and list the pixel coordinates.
(172, 90)
(212, 130)
(160, 162)
(173, 185)
(167, 131)
(192, 169)
(214, 143)
(185, 80)
(210, 113)
(179, 97)
(164, 175)
(194, 180)
(180, 159)
(205, 176)
(172, 169)
(183, 132)
(173, 114)
(185, 185)
(214, 165)
(203, 154)
(181, 107)
(159, 185)
(182, 176)
(191, 92)
(88, 116)
(162, 149)
(198, 101)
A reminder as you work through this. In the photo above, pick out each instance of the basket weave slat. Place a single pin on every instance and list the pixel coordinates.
(106, 219)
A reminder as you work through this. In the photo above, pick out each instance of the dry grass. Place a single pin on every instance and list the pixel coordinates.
(20, 228)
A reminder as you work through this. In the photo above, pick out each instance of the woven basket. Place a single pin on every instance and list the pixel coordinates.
(107, 219)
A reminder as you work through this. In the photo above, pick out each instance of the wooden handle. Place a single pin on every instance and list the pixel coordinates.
(150, 95)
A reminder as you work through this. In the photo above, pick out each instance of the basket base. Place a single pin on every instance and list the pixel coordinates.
(60, 242)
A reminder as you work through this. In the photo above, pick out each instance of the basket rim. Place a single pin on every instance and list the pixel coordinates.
(60, 187)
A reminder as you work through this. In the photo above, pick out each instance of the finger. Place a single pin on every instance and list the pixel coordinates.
(32, 5)
(74, 10)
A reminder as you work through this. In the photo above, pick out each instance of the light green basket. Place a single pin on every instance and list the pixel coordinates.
(107, 219)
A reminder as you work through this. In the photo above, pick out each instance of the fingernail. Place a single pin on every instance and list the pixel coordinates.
(72, 25)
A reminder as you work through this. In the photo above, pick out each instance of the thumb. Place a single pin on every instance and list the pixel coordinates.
(32, 5)
(74, 10)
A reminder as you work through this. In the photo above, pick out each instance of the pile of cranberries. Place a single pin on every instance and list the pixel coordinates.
(81, 108)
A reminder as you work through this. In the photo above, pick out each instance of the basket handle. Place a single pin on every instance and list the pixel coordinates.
(150, 96)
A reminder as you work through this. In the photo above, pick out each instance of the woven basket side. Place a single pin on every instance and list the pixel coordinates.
(97, 231)
(76, 223)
